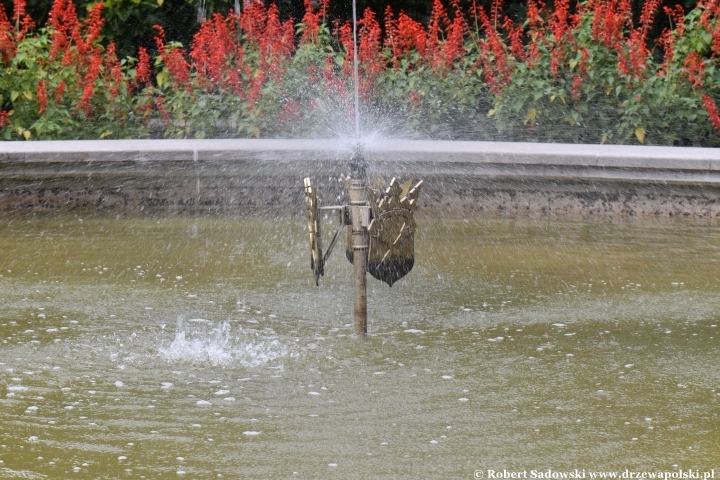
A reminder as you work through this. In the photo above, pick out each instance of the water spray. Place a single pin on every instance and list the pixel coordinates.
(380, 223)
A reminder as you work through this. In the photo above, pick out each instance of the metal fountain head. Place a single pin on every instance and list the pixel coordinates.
(380, 229)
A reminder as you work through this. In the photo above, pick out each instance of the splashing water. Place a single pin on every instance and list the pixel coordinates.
(220, 347)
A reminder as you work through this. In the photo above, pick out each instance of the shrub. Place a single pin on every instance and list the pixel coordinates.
(581, 73)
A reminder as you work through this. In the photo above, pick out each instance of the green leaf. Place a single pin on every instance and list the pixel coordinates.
(531, 114)
(14, 95)
(640, 134)
(162, 78)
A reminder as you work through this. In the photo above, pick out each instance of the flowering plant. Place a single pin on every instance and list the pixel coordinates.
(575, 73)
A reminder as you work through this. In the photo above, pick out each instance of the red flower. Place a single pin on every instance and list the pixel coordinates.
(4, 120)
(668, 38)
(252, 22)
(174, 59)
(577, 83)
(454, 45)
(609, 18)
(7, 37)
(414, 99)
(493, 56)
(515, 34)
(213, 49)
(60, 91)
(18, 10)
(88, 83)
(534, 10)
(290, 110)
(559, 19)
(113, 67)
(311, 22)
(143, 71)
(160, 104)
(438, 20)
(694, 69)
(63, 25)
(93, 25)
(42, 96)
(712, 111)
(23, 21)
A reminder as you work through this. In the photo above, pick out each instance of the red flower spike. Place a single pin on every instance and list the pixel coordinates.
(369, 55)
(42, 96)
(712, 110)
(493, 56)
(535, 8)
(113, 67)
(577, 83)
(311, 21)
(410, 35)
(454, 45)
(7, 37)
(694, 69)
(174, 59)
(559, 19)
(18, 10)
(160, 105)
(515, 34)
(60, 91)
(436, 25)
(88, 82)
(143, 71)
(63, 26)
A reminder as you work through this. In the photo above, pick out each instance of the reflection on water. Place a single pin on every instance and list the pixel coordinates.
(157, 347)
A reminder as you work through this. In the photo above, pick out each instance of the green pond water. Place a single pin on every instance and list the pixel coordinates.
(199, 347)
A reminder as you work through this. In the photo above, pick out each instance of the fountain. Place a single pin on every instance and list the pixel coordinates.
(528, 337)
(381, 234)
(381, 227)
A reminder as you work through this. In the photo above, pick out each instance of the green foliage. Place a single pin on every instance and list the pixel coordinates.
(106, 115)
(247, 77)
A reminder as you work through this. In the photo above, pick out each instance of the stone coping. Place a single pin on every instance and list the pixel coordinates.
(379, 151)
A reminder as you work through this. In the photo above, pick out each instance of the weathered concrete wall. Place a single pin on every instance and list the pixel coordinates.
(265, 176)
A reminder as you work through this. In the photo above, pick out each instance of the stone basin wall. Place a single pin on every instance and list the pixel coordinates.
(265, 177)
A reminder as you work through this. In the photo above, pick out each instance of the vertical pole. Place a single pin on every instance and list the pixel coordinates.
(360, 217)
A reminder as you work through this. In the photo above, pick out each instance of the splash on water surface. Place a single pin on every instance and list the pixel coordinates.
(222, 346)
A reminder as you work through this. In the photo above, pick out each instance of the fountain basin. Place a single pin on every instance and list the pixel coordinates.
(139, 342)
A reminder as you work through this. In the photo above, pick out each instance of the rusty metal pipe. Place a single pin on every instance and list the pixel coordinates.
(360, 218)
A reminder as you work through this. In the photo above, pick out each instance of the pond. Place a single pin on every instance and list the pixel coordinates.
(199, 346)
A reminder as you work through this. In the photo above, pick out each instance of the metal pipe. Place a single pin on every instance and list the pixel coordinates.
(360, 218)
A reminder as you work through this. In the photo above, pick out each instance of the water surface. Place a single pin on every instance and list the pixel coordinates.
(200, 347)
